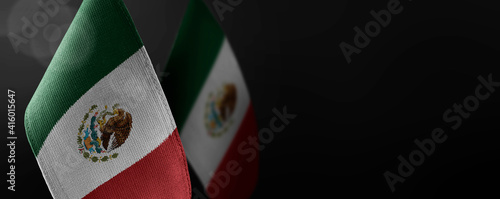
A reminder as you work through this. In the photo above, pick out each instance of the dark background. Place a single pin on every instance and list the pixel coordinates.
(354, 120)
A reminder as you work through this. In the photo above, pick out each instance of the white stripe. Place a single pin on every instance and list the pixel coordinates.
(136, 88)
(203, 151)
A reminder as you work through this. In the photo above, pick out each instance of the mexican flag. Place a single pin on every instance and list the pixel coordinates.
(99, 123)
(212, 106)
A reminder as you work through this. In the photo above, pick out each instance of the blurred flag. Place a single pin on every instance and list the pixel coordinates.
(212, 106)
(99, 123)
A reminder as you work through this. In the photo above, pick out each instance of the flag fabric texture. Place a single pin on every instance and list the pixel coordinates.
(212, 106)
(99, 123)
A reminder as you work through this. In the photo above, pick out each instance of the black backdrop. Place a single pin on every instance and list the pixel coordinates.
(354, 120)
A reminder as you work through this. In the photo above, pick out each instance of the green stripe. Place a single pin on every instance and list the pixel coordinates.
(195, 50)
(100, 38)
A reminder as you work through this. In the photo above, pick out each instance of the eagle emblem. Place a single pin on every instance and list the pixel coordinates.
(106, 131)
(219, 109)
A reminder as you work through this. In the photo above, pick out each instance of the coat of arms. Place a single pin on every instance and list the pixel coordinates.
(219, 109)
(104, 132)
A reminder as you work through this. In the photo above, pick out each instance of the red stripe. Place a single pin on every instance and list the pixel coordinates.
(242, 184)
(162, 173)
